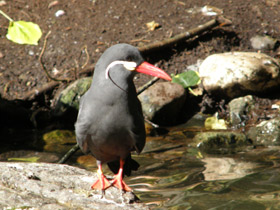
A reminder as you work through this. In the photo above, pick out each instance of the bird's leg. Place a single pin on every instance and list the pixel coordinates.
(118, 179)
(102, 183)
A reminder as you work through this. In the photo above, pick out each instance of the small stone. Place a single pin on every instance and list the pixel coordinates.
(31, 52)
(211, 11)
(59, 13)
(263, 42)
(238, 107)
(28, 83)
(3, 3)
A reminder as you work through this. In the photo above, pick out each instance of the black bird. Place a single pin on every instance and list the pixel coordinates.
(110, 122)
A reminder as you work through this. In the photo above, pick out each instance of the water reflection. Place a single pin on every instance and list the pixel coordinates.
(180, 177)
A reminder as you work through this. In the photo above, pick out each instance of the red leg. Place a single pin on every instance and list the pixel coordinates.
(102, 183)
(118, 180)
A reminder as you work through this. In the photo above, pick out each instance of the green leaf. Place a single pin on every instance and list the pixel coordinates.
(187, 79)
(22, 32)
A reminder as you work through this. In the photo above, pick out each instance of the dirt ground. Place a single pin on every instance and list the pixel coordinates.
(88, 27)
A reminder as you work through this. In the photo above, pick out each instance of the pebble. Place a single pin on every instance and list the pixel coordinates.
(59, 13)
(3, 3)
(263, 42)
(30, 52)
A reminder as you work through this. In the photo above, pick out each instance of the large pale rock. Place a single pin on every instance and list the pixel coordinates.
(162, 103)
(239, 73)
(53, 186)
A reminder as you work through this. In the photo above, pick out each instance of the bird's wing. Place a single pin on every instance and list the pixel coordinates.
(82, 125)
(139, 127)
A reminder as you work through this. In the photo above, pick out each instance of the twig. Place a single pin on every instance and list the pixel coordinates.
(87, 70)
(49, 86)
(35, 92)
(41, 63)
(6, 16)
(69, 153)
(83, 66)
(147, 85)
(185, 35)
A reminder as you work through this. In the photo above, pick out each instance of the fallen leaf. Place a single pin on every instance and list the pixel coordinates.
(187, 79)
(28, 159)
(152, 25)
(213, 123)
(22, 32)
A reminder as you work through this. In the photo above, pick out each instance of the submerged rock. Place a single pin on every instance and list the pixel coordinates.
(239, 73)
(53, 186)
(266, 133)
(223, 168)
(224, 142)
(59, 141)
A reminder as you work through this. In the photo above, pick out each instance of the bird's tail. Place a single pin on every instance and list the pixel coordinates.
(129, 165)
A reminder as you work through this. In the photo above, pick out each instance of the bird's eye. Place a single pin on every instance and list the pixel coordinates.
(129, 58)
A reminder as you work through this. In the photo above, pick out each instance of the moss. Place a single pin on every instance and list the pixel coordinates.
(221, 142)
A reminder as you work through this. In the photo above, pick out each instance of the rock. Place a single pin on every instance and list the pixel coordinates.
(263, 42)
(221, 142)
(239, 73)
(239, 107)
(162, 102)
(266, 133)
(68, 99)
(59, 141)
(53, 186)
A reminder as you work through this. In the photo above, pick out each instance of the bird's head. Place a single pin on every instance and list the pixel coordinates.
(130, 60)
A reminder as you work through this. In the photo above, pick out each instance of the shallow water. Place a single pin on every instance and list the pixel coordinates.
(174, 175)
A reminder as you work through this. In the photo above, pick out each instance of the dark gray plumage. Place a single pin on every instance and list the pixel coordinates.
(110, 122)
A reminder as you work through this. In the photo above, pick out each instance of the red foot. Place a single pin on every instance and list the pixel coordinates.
(119, 183)
(102, 183)
(118, 180)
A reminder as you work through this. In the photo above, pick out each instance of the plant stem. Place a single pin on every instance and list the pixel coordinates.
(6, 16)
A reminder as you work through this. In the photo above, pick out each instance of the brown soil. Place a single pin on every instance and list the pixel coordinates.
(91, 26)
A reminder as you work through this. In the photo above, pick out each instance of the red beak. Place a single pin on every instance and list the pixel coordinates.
(147, 68)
